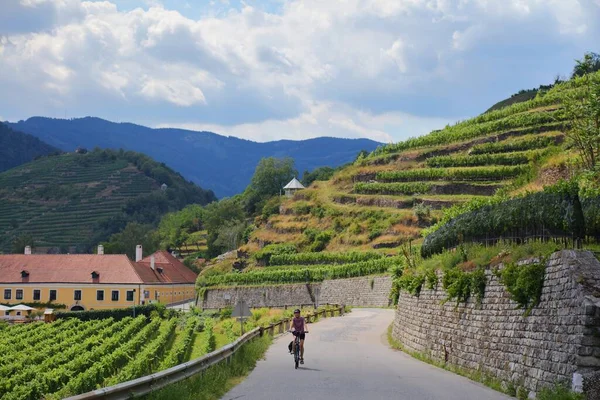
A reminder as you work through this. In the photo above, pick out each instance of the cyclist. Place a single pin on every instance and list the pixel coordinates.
(298, 328)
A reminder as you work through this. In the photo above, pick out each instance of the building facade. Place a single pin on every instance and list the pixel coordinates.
(94, 281)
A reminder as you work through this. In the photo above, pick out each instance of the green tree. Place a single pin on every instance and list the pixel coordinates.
(126, 241)
(269, 178)
(589, 64)
(229, 235)
(174, 228)
(20, 242)
(319, 174)
(217, 215)
(583, 110)
(272, 174)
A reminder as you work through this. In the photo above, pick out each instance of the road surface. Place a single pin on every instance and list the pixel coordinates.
(348, 358)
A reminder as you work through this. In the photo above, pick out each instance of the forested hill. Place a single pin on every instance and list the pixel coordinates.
(17, 148)
(223, 164)
(79, 199)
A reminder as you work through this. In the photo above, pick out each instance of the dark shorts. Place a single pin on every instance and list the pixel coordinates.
(301, 335)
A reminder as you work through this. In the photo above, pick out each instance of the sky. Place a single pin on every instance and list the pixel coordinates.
(284, 69)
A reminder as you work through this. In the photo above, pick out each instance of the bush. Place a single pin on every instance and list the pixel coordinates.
(271, 207)
(422, 212)
(524, 283)
(321, 241)
(264, 255)
(301, 208)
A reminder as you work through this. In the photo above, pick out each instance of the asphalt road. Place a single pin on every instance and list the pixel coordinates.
(348, 359)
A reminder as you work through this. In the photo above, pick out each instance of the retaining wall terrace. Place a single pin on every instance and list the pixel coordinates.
(558, 342)
(362, 291)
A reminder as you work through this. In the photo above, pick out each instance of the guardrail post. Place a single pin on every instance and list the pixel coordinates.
(262, 331)
(271, 330)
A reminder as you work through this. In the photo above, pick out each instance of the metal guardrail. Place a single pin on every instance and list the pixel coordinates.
(150, 383)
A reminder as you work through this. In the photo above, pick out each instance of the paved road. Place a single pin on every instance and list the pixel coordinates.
(348, 359)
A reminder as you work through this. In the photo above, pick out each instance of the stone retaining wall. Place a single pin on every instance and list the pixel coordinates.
(363, 291)
(558, 341)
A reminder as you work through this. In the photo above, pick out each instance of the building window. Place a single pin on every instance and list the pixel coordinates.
(156, 295)
(77, 295)
(52, 295)
(115, 295)
(7, 294)
(130, 295)
(100, 295)
(19, 294)
(37, 295)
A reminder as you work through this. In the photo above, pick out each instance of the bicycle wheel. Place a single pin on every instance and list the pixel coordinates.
(297, 354)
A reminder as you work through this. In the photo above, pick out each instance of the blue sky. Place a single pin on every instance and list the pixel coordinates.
(285, 69)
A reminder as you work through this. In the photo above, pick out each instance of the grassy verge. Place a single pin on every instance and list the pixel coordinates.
(219, 379)
(558, 392)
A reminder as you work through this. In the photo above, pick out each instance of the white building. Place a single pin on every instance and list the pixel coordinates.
(293, 187)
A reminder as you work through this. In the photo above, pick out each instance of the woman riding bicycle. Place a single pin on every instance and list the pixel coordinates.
(298, 328)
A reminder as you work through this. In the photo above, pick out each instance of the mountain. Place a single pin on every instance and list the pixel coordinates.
(17, 148)
(79, 199)
(223, 164)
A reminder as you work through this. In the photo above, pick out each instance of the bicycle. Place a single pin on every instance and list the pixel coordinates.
(297, 347)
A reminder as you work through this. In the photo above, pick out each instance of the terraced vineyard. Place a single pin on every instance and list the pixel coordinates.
(60, 200)
(388, 197)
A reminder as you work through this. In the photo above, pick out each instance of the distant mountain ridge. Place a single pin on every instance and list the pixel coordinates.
(223, 164)
(18, 148)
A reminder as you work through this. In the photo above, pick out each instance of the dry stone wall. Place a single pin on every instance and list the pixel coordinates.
(363, 291)
(558, 342)
(259, 296)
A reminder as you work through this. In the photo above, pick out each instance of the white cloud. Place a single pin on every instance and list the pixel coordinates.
(326, 119)
(383, 69)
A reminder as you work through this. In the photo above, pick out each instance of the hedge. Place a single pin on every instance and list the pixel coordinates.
(556, 211)
(116, 313)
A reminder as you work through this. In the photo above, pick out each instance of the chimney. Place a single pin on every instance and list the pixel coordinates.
(152, 262)
(100, 250)
(138, 253)
(28, 250)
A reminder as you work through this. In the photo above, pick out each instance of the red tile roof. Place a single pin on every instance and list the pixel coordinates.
(67, 268)
(78, 268)
(173, 270)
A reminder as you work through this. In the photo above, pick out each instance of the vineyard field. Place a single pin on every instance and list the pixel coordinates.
(70, 356)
